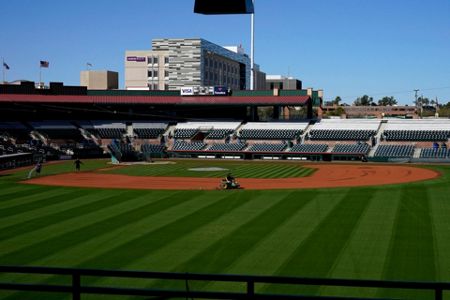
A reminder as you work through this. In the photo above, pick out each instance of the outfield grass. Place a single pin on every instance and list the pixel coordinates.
(396, 232)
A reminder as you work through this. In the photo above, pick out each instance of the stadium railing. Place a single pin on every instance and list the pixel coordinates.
(76, 288)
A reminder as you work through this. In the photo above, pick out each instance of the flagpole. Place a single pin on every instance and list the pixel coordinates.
(40, 74)
(4, 70)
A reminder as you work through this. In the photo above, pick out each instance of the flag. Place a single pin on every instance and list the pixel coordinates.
(6, 66)
(44, 64)
(89, 64)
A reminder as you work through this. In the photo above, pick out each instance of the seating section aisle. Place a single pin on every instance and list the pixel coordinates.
(267, 148)
(235, 147)
(272, 131)
(344, 129)
(395, 151)
(361, 148)
(417, 130)
(309, 148)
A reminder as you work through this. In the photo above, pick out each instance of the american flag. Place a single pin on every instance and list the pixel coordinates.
(44, 64)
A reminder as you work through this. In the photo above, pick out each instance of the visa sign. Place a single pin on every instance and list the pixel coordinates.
(187, 91)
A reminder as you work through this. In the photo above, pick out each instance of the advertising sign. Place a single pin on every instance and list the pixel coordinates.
(136, 58)
(187, 91)
(220, 91)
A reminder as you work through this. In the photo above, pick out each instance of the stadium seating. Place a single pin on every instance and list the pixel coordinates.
(309, 148)
(15, 130)
(361, 148)
(434, 153)
(341, 135)
(344, 129)
(149, 130)
(235, 147)
(267, 147)
(62, 130)
(417, 130)
(105, 129)
(151, 148)
(395, 151)
(185, 146)
(416, 135)
(218, 134)
(212, 130)
(185, 133)
(272, 131)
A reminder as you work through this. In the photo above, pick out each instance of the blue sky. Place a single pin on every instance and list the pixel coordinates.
(347, 48)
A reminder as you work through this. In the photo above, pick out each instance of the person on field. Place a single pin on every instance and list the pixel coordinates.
(37, 169)
(78, 164)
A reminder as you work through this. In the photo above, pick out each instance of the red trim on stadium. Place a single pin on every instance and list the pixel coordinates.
(175, 100)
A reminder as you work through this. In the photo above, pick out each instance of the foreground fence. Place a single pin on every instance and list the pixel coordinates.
(76, 289)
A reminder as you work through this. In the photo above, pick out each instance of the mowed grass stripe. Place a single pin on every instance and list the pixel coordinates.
(440, 212)
(74, 206)
(152, 240)
(111, 218)
(220, 255)
(411, 256)
(365, 254)
(23, 207)
(46, 192)
(16, 219)
(21, 191)
(271, 253)
(271, 171)
(317, 254)
(26, 242)
(194, 243)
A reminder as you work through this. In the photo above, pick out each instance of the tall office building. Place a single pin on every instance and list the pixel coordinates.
(175, 63)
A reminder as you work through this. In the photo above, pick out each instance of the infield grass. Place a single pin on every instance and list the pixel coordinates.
(395, 232)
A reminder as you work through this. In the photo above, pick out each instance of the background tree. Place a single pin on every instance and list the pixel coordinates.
(422, 101)
(336, 100)
(387, 101)
(363, 101)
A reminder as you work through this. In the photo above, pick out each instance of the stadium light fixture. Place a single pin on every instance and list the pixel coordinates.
(225, 7)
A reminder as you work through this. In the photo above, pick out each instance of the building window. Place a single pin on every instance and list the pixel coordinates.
(166, 87)
(153, 73)
(206, 61)
(155, 60)
(166, 60)
(149, 59)
(166, 73)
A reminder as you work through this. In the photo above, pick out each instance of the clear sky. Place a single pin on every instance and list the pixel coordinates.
(348, 48)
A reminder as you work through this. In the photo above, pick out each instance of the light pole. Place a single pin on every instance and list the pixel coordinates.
(222, 7)
(252, 49)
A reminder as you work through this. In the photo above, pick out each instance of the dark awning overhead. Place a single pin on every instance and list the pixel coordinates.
(157, 100)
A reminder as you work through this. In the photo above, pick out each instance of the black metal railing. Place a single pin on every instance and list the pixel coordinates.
(76, 289)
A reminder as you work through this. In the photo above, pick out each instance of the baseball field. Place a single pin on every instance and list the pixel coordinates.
(398, 231)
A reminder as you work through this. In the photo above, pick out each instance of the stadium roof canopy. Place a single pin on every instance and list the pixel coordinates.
(157, 100)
